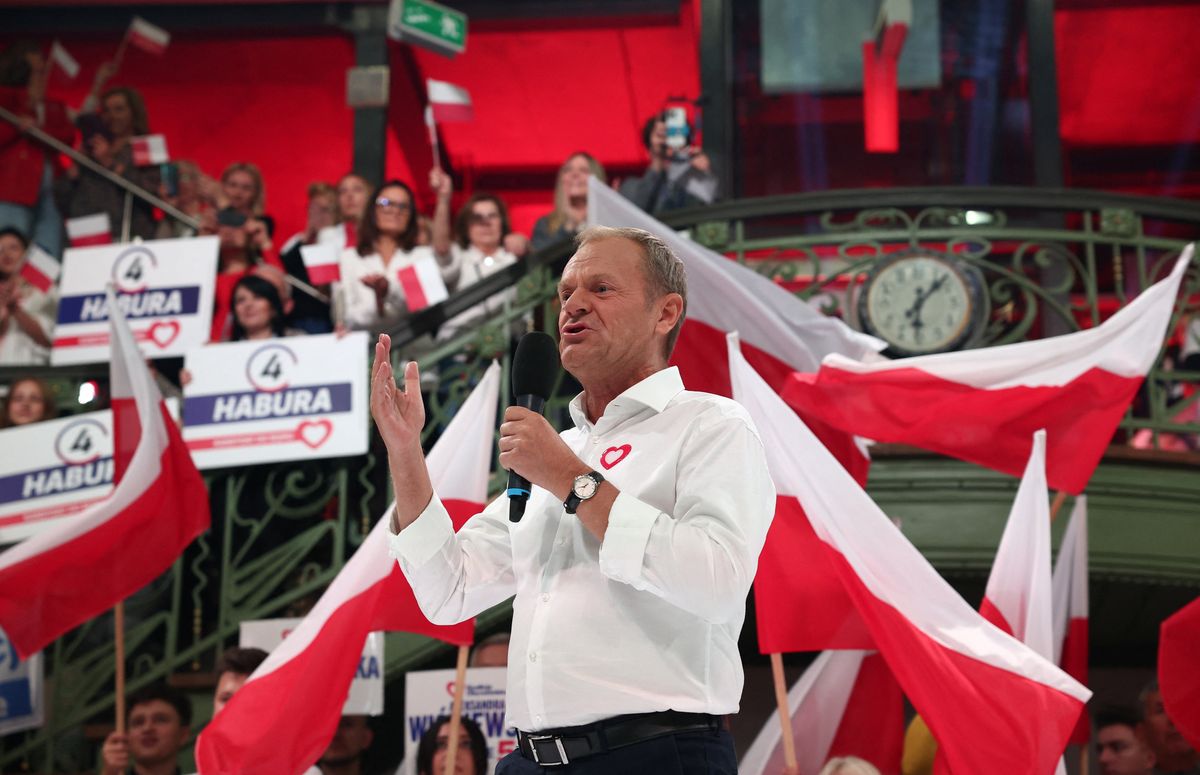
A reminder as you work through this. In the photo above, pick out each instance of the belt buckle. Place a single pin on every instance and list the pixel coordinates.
(537, 758)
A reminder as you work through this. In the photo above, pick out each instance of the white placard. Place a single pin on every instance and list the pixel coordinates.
(52, 470)
(429, 694)
(164, 287)
(22, 689)
(303, 397)
(366, 690)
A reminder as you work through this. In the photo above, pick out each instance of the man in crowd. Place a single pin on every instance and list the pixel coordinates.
(234, 667)
(492, 651)
(677, 176)
(158, 725)
(1120, 748)
(346, 750)
(1174, 755)
(630, 584)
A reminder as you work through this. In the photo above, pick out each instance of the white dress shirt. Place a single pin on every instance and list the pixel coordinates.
(649, 619)
(474, 265)
(357, 302)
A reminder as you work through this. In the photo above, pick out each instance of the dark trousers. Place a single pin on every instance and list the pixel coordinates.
(687, 753)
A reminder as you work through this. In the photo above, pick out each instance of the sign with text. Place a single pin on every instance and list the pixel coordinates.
(428, 24)
(366, 690)
(270, 400)
(164, 287)
(429, 694)
(22, 689)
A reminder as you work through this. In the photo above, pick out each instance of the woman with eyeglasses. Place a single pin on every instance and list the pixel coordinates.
(370, 293)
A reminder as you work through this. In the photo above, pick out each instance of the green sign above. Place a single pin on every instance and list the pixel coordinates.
(428, 24)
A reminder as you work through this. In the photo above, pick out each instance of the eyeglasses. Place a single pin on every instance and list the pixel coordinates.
(482, 218)
(399, 205)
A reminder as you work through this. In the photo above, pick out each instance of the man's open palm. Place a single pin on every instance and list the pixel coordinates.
(399, 415)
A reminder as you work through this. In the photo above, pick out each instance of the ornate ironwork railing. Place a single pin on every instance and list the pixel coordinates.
(1051, 261)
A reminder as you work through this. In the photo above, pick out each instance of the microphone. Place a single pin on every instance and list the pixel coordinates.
(535, 368)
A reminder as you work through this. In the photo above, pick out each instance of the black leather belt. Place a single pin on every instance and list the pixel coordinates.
(554, 747)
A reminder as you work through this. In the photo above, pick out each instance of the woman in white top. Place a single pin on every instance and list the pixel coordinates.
(26, 313)
(370, 292)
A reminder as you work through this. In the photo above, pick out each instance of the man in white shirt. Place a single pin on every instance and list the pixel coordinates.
(638, 545)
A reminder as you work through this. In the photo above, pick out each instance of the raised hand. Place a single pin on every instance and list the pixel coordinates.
(399, 414)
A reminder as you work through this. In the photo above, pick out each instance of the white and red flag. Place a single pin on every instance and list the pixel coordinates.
(422, 284)
(41, 270)
(87, 230)
(148, 37)
(65, 575)
(983, 405)
(449, 103)
(995, 704)
(1178, 671)
(284, 716)
(847, 703)
(1070, 590)
(149, 149)
(321, 261)
(61, 57)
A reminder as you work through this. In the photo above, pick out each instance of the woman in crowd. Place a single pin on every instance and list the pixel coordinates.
(194, 194)
(26, 313)
(29, 401)
(243, 244)
(243, 192)
(370, 293)
(570, 201)
(26, 166)
(353, 192)
(472, 756)
(258, 309)
(309, 313)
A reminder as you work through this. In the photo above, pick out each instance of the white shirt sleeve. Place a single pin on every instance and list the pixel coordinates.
(455, 576)
(703, 557)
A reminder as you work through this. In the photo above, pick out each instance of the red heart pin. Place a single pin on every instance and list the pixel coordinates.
(614, 455)
(163, 333)
(314, 433)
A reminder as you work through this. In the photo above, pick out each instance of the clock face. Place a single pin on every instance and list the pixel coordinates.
(919, 304)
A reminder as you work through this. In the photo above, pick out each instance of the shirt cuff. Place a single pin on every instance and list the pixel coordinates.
(629, 524)
(417, 543)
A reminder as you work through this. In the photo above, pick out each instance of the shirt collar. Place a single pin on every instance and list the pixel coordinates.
(653, 392)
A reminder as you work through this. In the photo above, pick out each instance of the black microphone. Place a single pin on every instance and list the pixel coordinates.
(535, 367)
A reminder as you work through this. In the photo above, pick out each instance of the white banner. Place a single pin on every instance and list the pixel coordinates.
(164, 287)
(366, 690)
(304, 397)
(429, 694)
(22, 689)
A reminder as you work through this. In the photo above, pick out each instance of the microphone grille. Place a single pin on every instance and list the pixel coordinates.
(535, 366)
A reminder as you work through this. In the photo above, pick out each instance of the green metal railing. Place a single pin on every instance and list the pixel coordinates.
(1051, 260)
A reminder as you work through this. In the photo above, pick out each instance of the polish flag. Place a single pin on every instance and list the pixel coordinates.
(801, 606)
(282, 719)
(983, 405)
(65, 575)
(847, 703)
(321, 262)
(422, 284)
(148, 37)
(995, 704)
(40, 269)
(1178, 674)
(88, 230)
(61, 57)
(450, 103)
(149, 149)
(1070, 591)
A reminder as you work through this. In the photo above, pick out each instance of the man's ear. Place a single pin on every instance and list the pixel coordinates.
(669, 313)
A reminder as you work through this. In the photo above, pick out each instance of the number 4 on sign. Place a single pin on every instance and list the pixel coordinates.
(273, 369)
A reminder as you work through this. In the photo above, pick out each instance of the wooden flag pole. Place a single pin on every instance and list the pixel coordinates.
(1083, 759)
(119, 658)
(460, 686)
(1060, 498)
(785, 718)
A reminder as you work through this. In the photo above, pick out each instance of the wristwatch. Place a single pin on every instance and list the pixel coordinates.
(584, 487)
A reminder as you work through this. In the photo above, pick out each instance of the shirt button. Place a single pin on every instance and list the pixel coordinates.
(538, 719)
(595, 440)
(533, 656)
(545, 597)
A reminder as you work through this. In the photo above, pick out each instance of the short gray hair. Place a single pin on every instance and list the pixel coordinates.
(665, 271)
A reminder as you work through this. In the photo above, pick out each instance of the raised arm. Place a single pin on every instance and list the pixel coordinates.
(400, 415)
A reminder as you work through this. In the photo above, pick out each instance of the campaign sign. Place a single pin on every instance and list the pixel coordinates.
(164, 287)
(366, 690)
(429, 694)
(52, 469)
(271, 400)
(22, 689)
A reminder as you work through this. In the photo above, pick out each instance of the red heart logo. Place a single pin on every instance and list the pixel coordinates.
(614, 455)
(163, 333)
(314, 433)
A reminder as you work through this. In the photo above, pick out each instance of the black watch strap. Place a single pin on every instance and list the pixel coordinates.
(571, 504)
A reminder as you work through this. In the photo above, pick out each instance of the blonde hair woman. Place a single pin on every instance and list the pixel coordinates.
(570, 201)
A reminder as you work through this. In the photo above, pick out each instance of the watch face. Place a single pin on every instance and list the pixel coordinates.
(585, 487)
(920, 304)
